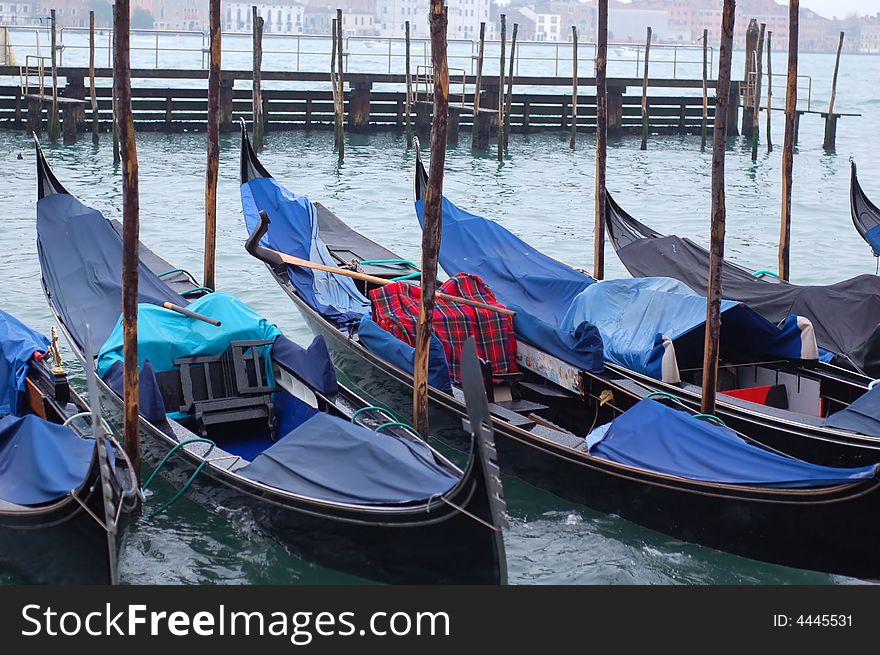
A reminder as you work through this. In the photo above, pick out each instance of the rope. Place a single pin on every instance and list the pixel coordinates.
(373, 408)
(663, 394)
(399, 424)
(388, 261)
(186, 486)
(764, 271)
(710, 417)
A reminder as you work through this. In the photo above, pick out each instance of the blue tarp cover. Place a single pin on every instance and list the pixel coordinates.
(165, 335)
(657, 438)
(516, 272)
(312, 364)
(335, 460)
(402, 355)
(872, 236)
(862, 415)
(537, 287)
(634, 315)
(40, 462)
(151, 405)
(17, 345)
(81, 259)
(294, 231)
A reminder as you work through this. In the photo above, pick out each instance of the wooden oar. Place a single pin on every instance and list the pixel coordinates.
(190, 313)
(275, 257)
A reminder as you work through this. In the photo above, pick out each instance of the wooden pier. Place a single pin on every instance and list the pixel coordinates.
(372, 102)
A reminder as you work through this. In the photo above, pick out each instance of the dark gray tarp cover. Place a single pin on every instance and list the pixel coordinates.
(81, 259)
(861, 416)
(335, 460)
(845, 315)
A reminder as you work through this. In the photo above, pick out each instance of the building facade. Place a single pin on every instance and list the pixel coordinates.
(279, 17)
(18, 12)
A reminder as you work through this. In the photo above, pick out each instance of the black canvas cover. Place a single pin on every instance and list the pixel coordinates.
(845, 315)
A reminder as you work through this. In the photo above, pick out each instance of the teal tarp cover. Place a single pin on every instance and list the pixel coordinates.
(165, 335)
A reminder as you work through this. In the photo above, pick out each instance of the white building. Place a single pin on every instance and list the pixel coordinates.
(16, 13)
(464, 16)
(547, 26)
(279, 17)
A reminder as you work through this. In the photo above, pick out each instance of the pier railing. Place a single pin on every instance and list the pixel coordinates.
(311, 53)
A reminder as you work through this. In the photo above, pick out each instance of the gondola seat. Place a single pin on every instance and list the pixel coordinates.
(234, 388)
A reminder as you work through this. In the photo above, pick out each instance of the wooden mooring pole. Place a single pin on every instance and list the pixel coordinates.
(509, 100)
(92, 94)
(213, 164)
(334, 86)
(645, 92)
(747, 105)
(431, 232)
(340, 94)
(769, 90)
(704, 124)
(574, 87)
(475, 128)
(790, 138)
(601, 137)
(500, 92)
(756, 92)
(54, 127)
(831, 117)
(259, 130)
(719, 212)
(113, 122)
(409, 98)
(130, 232)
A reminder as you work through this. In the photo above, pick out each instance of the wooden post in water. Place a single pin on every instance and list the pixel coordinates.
(92, 93)
(340, 94)
(257, 93)
(790, 138)
(759, 60)
(334, 86)
(769, 90)
(719, 212)
(130, 232)
(574, 87)
(509, 101)
(831, 117)
(475, 129)
(113, 123)
(747, 105)
(500, 92)
(409, 97)
(431, 232)
(704, 125)
(54, 124)
(601, 137)
(213, 165)
(645, 92)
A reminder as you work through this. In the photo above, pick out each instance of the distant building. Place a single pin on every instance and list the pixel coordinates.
(279, 16)
(68, 13)
(464, 16)
(869, 35)
(631, 25)
(18, 13)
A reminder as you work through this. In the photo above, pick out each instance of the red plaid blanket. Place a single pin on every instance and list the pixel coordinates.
(396, 310)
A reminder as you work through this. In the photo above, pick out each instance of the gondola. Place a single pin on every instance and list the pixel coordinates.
(652, 331)
(60, 523)
(333, 478)
(865, 214)
(581, 437)
(845, 315)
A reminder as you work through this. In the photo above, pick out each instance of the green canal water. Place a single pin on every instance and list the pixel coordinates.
(543, 192)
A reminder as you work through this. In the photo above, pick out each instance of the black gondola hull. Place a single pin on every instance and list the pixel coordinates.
(63, 544)
(822, 533)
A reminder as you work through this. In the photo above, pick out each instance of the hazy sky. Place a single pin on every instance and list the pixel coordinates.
(841, 8)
